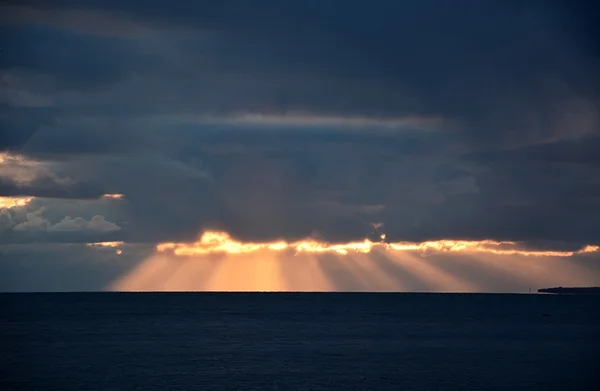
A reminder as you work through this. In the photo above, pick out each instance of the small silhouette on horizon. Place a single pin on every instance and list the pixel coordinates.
(594, 290)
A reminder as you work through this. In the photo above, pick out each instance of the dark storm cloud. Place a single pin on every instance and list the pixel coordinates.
(48, 188)
(438, 91)
(36, 237)
(18, 124)
(262, 185)
(583, 152)
(387, 59)
(73, 60)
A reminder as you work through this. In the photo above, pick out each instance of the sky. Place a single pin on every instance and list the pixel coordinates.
(459, 138)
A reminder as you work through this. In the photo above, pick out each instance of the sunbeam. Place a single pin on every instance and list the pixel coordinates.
(305, 273)
(436, 278)
(216, 262)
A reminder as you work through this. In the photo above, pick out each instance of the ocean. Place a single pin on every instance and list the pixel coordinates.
(298, 341)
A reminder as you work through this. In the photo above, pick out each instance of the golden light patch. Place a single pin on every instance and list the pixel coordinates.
(6, 158)
(115, 196)
(105, 244)
(217, 262)
(113, 245)
(13, 202)
(19, 168)
(212, 242)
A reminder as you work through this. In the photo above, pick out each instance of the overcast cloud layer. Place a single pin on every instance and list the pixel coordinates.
(283, 119)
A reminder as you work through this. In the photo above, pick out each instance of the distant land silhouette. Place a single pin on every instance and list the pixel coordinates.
(595, 290)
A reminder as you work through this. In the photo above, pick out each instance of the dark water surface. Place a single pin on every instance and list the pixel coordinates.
(296, 341)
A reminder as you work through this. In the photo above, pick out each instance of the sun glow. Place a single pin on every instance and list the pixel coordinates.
(105, 244)
(19, 169)
(112, 245)
(217, 262)
(212, 242)
(6, 158)
(113, 196)
(13, 202)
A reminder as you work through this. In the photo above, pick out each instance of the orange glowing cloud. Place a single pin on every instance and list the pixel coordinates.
(25, 170)
(6, 158)
(212, 242)
(19, 168)
(113, 196)
(13, 202)
(105, 244)
(114, 245)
